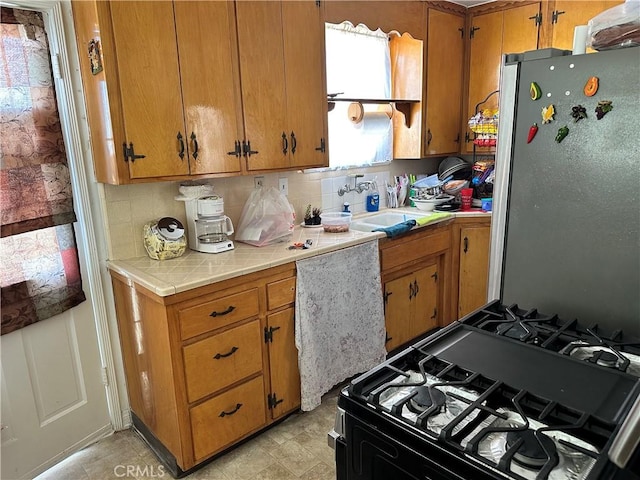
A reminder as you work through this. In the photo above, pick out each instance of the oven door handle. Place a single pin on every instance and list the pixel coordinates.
(628, 438)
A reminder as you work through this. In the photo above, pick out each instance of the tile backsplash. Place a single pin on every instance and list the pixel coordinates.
(129, 207)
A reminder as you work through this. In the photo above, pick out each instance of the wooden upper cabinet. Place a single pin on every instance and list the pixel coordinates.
(445, 57)
(569, 14)
(520, 29)
(282, 90)
(484, 63)
(513, 30)
(206, 36)
(152, 109)
(176, 93)
(303, 29)
(407, 73)
(167, 102)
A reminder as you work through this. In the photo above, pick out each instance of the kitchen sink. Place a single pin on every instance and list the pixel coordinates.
(383, 219)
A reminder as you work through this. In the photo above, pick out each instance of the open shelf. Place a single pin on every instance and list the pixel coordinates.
(402, 105)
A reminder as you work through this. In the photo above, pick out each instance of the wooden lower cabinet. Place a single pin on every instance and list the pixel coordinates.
(471, 244)
(411, 305)
(210, 366)
(415, 284)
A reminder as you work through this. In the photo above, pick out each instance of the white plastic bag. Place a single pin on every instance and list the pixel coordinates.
(616, 27)
(267, 218)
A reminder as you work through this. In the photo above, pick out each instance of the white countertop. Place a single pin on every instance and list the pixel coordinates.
(195, 269)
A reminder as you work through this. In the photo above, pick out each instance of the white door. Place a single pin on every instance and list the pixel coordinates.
(53, 399)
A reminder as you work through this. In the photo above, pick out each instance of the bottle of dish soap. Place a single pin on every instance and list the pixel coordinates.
(373, 197)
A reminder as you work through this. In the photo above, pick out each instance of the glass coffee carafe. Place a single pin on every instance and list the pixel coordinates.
(215, 229)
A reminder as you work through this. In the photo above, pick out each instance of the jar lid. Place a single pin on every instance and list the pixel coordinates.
(170, 228)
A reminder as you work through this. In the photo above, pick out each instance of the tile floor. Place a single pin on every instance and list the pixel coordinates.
(294, 449)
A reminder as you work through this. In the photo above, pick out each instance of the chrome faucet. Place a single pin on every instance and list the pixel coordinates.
(358, 187)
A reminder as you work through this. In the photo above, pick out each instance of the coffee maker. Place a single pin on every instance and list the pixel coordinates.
(207, 225)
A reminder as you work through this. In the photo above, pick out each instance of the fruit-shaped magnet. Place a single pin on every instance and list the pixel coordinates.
(535, 91)
(548, 113)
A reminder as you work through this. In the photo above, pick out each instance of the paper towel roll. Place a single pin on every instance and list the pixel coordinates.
(580, 39)
(376, 135)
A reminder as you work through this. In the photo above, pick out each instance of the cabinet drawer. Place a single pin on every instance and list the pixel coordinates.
(220, 421)
(217, 313)
(223, 359)
(414, 249)
(281, 293)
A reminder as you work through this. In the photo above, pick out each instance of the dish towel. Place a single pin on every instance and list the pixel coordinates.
(432, 218)
(397, 229)
(339, 318)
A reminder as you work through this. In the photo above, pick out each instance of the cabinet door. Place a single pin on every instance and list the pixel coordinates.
(520, 29)
(425, 300)
(513, 30)
(149, 75)
(407, 66)
(398, 310)
(283, 361)
(484, 63)
(261, 50)
(444, 82)
(207, 47)
(474, 268)
(572, 13)
(303, 30)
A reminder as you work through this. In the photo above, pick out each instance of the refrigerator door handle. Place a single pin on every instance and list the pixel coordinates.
(508, 95)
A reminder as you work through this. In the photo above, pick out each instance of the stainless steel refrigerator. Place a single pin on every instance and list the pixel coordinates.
(566, 214)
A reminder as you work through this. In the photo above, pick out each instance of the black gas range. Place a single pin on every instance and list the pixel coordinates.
(505, 393)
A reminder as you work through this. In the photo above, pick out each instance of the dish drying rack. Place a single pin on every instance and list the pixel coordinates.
(484, 125)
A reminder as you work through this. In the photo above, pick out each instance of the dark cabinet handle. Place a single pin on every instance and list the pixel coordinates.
(181, 142)
(466, 244)
(435, 314)
(322, 146)
(294, 142)
(224, 414)
(416, 288)
(429, 137)
(224, 312)
(195, 145)
(237, 152)
(246, 149)
(233, 350)
(285, 143)
(411, 292)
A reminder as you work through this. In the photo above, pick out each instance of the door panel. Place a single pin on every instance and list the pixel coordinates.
(283, 361)
(398, 310)
(474, 268)
(444, 82)
(484, 73)
(263, 93)
(520, 30)
(305, 81)
(152, 109)
(207, 47)
(52, 393)
(425, 300)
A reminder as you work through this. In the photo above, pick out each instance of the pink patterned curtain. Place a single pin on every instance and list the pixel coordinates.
(40, 274)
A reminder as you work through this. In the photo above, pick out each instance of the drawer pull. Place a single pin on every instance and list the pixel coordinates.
(218, 356)
(224, 414)
(224, 312)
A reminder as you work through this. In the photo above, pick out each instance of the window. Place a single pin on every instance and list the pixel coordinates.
(358, 66)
